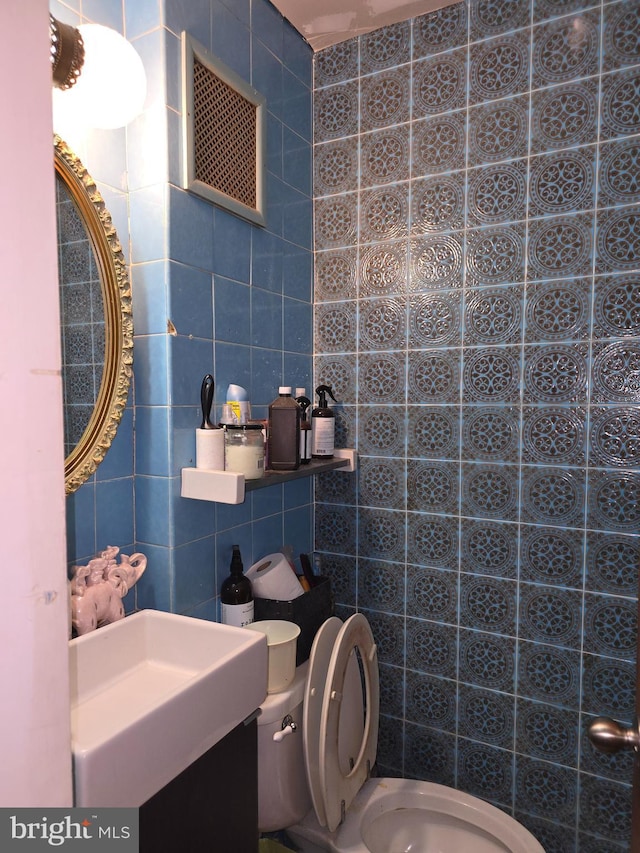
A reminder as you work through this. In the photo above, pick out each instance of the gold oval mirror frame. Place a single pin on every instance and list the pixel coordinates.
(111, 399)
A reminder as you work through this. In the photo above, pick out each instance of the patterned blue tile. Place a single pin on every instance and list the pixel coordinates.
(488, 604)
(497, 16)
(563, 116)
(608, 687)
(497, 193)
(381, 586)
(606, 806)
(385, 47)
(432, 594)
(542, 788)
(382, 483)
(618, 173)
(620, 26)
(384, 99)
(550, 615)
(429, 754)
(562, 182)
(565, 49)
(381, 534)
(547, 732)
(438, 143)
(560, 246)
(554, 435)
(440, 30)
(431, 647)
(439, 84)
(618, 239)
(611, 561)
(381, 430)
(432, 540)
(489, 548)
(610, 626)
(336, 164)
(613, 501)
(553, 496)
(558, 310)
(384, 159)
(485, 771)
(486, 716)
(620, 112)
(551, 555)
(431, 701)
(434, 376)
(433, 487)
(488, 660)
(549, 673)
(335, 112)
(499, 67)
(389, 634)
(489, 491)
(490, 433)
(498, 131)
(433, 432)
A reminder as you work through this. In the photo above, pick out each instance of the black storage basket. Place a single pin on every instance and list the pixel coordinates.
(308, 611)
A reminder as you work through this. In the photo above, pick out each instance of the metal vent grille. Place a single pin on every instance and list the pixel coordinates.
(224, 126)
(224, 135)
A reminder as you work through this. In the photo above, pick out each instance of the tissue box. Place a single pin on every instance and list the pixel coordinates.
(308, 611)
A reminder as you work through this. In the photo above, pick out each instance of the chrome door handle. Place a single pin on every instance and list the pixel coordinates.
(609, 736)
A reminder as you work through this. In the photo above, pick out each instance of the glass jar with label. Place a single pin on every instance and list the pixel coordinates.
(244, 450)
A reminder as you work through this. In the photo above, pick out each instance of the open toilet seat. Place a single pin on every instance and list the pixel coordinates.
(341, 708)
(342, 701)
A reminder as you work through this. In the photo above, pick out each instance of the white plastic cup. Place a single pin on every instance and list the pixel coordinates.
(282, 640)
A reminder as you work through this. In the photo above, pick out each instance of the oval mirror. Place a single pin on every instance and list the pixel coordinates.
(96, 322)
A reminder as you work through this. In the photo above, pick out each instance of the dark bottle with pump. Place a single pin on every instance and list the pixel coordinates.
(236, 597)
(323, 425)
(305, 429)
(284, 432)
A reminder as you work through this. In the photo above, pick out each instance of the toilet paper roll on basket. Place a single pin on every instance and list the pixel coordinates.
(273, 577)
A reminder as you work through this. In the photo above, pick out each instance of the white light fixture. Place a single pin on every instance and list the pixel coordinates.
(108, 89)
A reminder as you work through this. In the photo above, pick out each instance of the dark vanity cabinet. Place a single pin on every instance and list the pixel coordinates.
(212, 806)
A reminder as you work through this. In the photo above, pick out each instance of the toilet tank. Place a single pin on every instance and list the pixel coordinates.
(283, 792)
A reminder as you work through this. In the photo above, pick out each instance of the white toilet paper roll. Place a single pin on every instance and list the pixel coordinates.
(273, 577)
(210, 449)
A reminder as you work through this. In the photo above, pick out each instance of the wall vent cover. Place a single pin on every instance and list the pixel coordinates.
(224, 127)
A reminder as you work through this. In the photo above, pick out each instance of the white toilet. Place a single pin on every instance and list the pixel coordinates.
(316, 748)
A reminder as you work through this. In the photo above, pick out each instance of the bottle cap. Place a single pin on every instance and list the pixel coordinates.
(284, 389)
(300, 392)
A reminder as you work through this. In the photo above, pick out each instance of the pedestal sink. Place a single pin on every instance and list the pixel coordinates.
(152, 693)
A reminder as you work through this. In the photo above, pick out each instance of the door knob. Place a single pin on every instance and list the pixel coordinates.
(609, 736)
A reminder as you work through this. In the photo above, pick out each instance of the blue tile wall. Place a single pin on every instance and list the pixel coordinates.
(477, 294)
(211, 293)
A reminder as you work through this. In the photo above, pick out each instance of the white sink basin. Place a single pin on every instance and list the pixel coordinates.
(152, 693)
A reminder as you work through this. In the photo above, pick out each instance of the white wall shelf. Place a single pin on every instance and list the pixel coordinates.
(227, 487)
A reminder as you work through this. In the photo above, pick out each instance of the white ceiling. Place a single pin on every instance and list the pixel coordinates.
(326, 22)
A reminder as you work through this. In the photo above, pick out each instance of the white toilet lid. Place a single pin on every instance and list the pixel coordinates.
(348, 729)
(319, 659)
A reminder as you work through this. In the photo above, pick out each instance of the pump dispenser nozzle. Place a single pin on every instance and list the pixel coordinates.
(322, 391)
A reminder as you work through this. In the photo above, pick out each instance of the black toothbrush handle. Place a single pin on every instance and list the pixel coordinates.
(206, 400)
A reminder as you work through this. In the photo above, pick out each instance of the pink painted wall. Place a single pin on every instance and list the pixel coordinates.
(34, 713)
